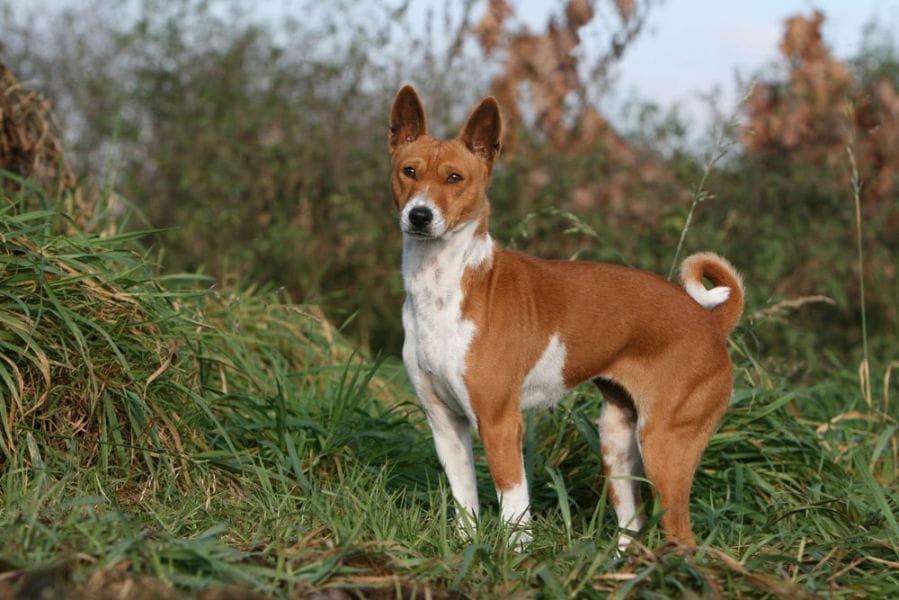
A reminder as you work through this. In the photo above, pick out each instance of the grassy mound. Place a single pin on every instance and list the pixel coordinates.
(104, 359)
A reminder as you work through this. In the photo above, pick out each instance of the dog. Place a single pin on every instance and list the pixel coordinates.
(490, 333)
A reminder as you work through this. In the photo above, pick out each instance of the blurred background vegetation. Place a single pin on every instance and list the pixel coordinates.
(256, 149)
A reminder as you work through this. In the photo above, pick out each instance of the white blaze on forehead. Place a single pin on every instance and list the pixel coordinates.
(544, 385)
(707, 298)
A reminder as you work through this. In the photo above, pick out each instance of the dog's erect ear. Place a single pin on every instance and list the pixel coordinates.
(407, 118)
(482, 131)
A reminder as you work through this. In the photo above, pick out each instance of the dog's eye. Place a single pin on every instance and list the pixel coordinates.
(409, 172)
(454, 178)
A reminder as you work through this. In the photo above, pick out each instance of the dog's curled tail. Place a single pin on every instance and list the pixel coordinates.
(726, 298)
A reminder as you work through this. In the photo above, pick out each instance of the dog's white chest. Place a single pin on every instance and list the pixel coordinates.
(437, 335)
(438, 338)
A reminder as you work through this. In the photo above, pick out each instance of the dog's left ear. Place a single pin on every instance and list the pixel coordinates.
(483, 129)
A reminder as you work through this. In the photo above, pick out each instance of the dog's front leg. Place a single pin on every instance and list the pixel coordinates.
(452, 439)
(501, 435)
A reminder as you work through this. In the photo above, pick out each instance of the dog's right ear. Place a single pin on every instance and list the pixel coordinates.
(407, 118)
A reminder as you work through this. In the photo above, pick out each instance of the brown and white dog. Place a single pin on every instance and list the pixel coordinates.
(491, 332)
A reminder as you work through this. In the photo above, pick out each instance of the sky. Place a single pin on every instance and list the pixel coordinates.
(688, 48)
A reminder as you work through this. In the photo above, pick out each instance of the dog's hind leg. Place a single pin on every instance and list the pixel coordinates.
(672, 444)
(621, 460)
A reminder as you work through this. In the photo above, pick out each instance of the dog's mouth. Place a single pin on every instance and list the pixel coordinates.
(419, 234)
(429, 231)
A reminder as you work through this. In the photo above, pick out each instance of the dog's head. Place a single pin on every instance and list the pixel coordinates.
(441, 185)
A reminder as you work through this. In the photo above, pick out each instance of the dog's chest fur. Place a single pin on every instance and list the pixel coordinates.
(437, 334)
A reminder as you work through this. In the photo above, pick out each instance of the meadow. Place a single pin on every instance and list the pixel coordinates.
(200, 389)
(163, 437)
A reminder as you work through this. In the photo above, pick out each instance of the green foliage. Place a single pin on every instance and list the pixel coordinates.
(257, 150)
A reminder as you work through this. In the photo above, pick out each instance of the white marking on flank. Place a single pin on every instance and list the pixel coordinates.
(544, 385)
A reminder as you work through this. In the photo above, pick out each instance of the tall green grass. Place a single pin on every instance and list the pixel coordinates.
(163, 436)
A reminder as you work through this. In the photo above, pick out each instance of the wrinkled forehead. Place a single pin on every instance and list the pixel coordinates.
(432, 152)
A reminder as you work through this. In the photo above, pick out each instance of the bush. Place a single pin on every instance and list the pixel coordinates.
(258, 152)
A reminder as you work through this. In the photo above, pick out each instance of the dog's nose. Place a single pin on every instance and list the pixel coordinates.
(420, 217)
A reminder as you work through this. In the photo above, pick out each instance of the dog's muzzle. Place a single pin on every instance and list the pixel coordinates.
(422, 219)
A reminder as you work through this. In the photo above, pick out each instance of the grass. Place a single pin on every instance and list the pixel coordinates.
(161, 437)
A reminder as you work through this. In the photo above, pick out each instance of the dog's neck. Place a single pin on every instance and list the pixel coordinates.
(433, 268)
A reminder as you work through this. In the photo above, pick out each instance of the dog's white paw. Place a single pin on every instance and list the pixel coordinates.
(466, 525)
(520, 538)
(625, 539)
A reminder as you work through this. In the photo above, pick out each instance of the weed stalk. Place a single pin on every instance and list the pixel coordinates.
(721, 146)
(864, 368)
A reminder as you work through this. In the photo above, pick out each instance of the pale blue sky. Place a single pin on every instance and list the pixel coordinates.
(690, 47)
(693, 45)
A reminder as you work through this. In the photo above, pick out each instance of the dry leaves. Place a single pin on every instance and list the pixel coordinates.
(821, 108)
(542, 89)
